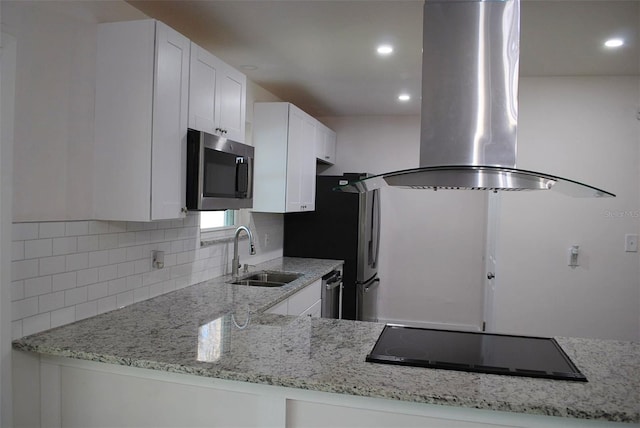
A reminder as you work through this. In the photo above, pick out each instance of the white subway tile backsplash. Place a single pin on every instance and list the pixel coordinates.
(107, 304)
(51, 302)
(51, 229)
(77, 261)
(17, 250)
(88, 243)
(156, 235)
(63, 316)
(97, 227)
(16, 330)
(37, 286)
(67, 245)
(117, 226)
(170, 260)
(17, 290)
(140, 294)
(126, 239)
(24, 308)
(155, 289)
(143, 237)
(66, 271)
(52, 265)
(97, 291)
(117, 255)
(37, 248)
(134, 281)
(186, 257)
(142, 266)
(24, 231)
(117, 286)
(135, 253)
(75, 228)
(75, 296)
(86, 310)
(23, 269)
(107, 273)
(87, 276)
(126, 269)
(124, 299)
(177, 246)
(177, 222)
(98, 258)
(36, 323)
(108, 241)
(64, 281)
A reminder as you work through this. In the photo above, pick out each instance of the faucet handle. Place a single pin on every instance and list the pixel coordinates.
(252, 248)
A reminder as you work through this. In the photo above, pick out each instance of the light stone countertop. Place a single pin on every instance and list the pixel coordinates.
(170, 333)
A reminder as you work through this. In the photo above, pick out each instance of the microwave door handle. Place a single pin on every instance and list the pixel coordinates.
(249, 161)
(242, 177)
(200, 187)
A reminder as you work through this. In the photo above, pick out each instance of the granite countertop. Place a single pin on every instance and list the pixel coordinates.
(219, 330)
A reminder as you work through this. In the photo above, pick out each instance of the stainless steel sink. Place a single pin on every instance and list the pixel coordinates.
(268, 279)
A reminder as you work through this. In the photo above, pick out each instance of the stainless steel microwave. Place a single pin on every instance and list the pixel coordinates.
(219, 173)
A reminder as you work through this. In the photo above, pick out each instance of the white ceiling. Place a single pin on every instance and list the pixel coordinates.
(320, 54)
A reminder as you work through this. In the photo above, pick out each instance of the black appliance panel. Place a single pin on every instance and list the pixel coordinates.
(474, 352)
(335, 231)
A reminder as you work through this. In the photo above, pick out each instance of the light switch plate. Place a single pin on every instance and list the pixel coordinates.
(631, 243)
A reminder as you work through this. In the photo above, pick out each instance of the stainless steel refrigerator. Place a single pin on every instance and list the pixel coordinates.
(344, 226)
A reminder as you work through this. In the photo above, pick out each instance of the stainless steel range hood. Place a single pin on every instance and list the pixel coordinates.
(470, 105)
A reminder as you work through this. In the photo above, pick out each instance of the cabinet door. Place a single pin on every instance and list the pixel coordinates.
(232, 103)
(308, 162)
(170, 112)
(329, 142)
(295, 156)
(123, 117)
(325, 144)
(204, 73)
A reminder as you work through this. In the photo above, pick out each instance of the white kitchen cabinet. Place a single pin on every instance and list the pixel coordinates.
(285, 162)
(306, 302)
(325, 144)
(142, 80)
(217, 96)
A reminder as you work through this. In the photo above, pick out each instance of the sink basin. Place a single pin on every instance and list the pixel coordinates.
(268, 279)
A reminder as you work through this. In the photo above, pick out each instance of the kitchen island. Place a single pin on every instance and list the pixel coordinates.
(210, 355)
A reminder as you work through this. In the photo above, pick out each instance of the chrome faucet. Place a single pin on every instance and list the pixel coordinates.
(235, 263)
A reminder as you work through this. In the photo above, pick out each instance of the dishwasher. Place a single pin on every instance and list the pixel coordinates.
(332, 295)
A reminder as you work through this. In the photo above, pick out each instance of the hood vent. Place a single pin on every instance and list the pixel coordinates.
(470, 105)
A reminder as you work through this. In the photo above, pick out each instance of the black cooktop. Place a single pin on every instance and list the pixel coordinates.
(474, 352)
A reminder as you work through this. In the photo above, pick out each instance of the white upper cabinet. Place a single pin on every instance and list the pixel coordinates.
(142, 81)
(285, 161)
(325, 144)
(217, 96)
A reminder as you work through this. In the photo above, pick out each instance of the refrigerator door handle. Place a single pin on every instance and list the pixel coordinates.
(374, 242)
(367, 287)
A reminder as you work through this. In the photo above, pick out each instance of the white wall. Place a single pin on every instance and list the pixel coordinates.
(585, 129)
(431, 242)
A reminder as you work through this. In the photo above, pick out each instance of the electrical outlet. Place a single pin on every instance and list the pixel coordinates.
(631, 243)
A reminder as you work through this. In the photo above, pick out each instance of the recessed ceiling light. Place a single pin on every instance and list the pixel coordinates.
(404, 97)
(614, 43)
(385, 49)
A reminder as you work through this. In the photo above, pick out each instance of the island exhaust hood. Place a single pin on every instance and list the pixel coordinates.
(470, 105)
